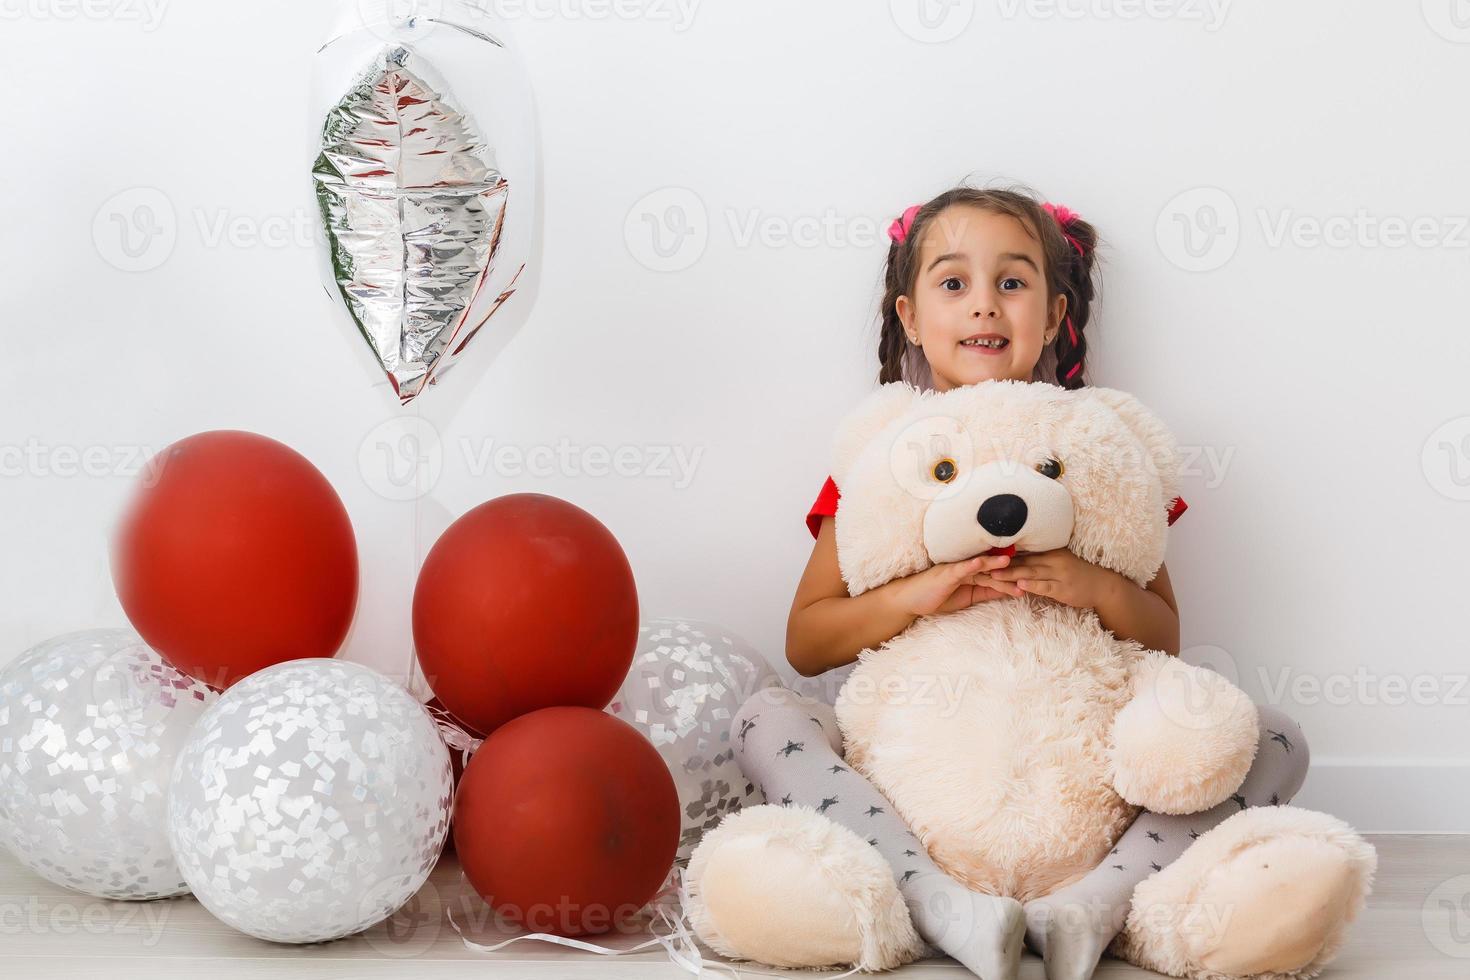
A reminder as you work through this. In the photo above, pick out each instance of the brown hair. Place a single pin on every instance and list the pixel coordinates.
(1067, 273)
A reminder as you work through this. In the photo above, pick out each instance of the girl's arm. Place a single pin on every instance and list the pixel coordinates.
(828, 628)
(1150, 616)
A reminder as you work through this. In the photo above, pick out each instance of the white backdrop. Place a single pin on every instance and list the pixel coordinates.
(1280, 188)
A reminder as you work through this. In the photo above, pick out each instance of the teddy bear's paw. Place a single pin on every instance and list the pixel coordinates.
(788, 887)
(1268, 893)
(1185, 741)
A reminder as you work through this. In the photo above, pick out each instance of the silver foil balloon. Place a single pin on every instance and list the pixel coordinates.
(686, 683)
(427, 181)
(90, 726)
(311, 801)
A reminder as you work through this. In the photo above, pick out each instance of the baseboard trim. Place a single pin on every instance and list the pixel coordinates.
(1391, 796)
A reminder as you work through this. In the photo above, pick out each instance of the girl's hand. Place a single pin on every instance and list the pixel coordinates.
(1059, 574)
(952, 586)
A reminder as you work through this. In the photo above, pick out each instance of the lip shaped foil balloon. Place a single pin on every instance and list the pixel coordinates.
(427, 182)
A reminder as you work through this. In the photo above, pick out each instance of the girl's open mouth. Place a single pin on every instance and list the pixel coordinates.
(986, 343)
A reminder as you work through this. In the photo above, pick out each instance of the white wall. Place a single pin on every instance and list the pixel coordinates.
(1329, 378)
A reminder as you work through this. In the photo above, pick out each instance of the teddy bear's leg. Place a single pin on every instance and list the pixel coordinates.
(1072, 927)
(788, 744)
(1268, 893)
(788, 887)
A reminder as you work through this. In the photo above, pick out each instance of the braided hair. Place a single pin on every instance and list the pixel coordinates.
(1068, 245)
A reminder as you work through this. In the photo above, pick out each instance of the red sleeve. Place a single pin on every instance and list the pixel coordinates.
(825, 506)
(1178, 507)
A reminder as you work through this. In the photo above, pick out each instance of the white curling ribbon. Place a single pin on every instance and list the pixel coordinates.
(455, 737)
(679, 942)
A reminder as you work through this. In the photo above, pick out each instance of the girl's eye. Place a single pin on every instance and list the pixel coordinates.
(944, 470)
(1052, 469)
(952, 279)
(1011, 279)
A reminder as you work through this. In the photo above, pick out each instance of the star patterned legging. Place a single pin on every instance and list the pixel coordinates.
(790, 747)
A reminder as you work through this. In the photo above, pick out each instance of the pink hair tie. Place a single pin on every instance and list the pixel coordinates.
(899, 230)
(1064, 217)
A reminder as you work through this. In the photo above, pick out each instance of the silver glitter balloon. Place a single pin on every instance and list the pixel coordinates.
(686, 683)
(90, 726)
(311, 801)
(426, 182)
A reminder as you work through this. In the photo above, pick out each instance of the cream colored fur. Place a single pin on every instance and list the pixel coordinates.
(1314, 869)
(1019, 737)
(794, 889)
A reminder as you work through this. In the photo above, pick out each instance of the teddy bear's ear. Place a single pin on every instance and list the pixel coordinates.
(1156, 438)
(865, 422)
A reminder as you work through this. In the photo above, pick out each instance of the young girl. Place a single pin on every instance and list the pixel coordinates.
(980, 285)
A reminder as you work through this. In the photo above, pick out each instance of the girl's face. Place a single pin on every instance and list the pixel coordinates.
(979, 307)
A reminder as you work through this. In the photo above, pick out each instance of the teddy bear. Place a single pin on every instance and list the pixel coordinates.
(1057, 733)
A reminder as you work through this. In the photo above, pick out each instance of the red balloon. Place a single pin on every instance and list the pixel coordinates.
(236, 555)
(567, 821)
(525, 602)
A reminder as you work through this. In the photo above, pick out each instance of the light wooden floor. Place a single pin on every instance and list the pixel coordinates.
(1416, 927)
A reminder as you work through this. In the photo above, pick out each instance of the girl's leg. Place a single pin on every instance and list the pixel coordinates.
(790, 746)
(1072, 927)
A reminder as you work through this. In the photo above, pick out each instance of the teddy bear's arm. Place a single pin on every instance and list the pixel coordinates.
(1186, 739)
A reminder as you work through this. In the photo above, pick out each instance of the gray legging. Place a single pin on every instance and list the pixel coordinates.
(785, 744)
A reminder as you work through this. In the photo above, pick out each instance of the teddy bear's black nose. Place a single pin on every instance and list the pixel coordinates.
(1003, 515)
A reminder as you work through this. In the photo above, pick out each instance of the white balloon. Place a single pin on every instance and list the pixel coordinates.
(90, 726)
(687, 681)
(311, 801)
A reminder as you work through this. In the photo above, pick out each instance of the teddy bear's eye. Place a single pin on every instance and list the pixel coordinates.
(1051, 469)
(944, 470)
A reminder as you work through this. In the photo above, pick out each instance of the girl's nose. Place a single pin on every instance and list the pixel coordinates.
(985, 306)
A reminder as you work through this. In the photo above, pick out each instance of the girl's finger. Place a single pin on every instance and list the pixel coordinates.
(989, 582)
(1038, 586)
